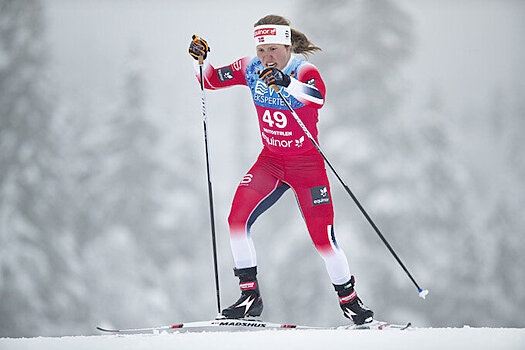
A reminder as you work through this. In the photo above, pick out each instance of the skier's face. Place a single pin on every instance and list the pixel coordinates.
(274, 55)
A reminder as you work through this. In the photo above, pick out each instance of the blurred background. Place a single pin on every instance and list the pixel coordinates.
(103, 201)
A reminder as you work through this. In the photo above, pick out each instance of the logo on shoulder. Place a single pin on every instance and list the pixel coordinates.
(311, 82)
(225, 74)
(237, 65)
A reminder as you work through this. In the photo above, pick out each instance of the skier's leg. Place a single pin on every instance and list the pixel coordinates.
(316, 208)
(257, 192)
(307, 176)
(312, 189)
(319, 220)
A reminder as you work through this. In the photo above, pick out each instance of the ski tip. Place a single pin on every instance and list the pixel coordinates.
(423, 293)
(107, 330)
(407, 326)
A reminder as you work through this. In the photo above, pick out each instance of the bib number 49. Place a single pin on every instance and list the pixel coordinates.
(278, 118)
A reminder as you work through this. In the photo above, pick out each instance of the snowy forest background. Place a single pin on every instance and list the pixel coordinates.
(103, 199)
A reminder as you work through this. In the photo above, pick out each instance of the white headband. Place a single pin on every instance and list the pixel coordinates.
(272, 34)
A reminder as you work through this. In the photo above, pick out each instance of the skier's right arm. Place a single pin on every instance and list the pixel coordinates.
(234, 74)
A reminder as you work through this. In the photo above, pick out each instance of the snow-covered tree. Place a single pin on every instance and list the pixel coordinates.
(35, 265)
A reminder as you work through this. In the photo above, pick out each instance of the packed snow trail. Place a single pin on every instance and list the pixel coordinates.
(423, 338)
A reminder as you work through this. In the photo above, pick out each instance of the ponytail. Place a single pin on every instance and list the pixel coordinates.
(301, 44)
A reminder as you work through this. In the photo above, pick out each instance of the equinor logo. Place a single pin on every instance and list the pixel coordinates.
(277, 143)
(320, 195)
(261, 88)
(264, 31)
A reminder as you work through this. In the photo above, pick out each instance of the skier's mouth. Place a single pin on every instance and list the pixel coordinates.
(271, 65)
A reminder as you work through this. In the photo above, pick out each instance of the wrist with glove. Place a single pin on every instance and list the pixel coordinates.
(198, 48)
(273, 76)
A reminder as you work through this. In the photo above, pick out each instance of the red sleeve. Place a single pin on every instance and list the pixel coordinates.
(216, 78)
(308, 87)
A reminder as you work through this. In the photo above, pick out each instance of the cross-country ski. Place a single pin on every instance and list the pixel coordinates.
(248, 325)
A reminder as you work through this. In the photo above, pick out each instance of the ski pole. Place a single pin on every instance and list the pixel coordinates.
(422, 293)
(210, 192)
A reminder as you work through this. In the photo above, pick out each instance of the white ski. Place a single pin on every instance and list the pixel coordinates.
(376, 325)
(248, 324)
(231, 324)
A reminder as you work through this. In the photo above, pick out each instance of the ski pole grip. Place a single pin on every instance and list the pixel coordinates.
(201, 60)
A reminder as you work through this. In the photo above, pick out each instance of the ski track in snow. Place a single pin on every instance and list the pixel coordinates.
(422, 338)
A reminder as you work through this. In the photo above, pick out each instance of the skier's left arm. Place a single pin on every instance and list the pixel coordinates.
(307, 86)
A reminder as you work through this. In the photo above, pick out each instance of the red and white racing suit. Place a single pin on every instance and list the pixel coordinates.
(288, 159)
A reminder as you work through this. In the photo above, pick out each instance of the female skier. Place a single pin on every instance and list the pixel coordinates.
(288, 159)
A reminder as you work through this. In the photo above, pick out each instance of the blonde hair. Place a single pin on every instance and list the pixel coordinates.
(300, 43)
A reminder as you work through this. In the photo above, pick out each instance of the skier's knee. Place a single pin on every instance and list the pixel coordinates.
(236, 222)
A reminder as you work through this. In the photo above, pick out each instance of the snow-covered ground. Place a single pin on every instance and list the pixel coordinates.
(423, 338)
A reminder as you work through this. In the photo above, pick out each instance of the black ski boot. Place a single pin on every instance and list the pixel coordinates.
(351, 305)
(250, 303)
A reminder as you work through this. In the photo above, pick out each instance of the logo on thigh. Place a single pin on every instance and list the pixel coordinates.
(320, 195)
(246, 180)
